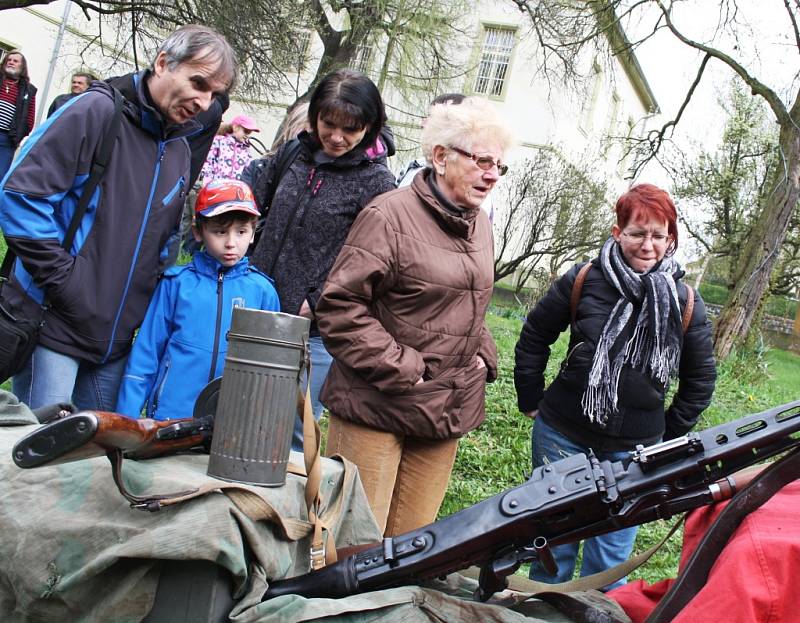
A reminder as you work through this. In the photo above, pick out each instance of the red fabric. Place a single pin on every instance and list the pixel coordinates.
(754, 579)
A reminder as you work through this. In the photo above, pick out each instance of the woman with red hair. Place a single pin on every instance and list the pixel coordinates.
(634, 326)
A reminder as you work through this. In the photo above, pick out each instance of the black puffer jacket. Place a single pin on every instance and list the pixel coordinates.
(314, 206)
(640, 418)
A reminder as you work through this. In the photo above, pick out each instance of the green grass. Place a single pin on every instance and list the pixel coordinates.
(496, 456)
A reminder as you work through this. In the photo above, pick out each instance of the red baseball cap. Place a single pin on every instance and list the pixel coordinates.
(220, 196)
(248, 123)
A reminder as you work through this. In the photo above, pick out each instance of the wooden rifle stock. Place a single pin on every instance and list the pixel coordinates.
(90, 434)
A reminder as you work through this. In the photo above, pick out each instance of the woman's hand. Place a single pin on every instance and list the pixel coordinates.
(305, 311)
(479, 362)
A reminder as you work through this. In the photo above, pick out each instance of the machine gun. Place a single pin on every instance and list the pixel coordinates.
(563, 502)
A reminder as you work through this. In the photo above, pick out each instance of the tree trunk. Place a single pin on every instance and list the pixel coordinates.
(758, 257)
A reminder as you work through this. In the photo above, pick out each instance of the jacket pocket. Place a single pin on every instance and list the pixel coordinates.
(575, 367)
(159, 386)
(177, 191)
(638, 391)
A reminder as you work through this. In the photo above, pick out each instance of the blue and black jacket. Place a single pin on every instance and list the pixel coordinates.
(182, 343)
(98, 290)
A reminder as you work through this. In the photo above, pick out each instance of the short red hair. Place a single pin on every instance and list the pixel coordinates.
(645, 201)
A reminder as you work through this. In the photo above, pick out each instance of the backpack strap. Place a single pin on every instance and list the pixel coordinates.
(577, 286)
(287, 157)
(687, 311)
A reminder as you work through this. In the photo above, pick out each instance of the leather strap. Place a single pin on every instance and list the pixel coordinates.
(687, 311)
(577, 286)
(695, 573)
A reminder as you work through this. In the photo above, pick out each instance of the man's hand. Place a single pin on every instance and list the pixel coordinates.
(531, 414)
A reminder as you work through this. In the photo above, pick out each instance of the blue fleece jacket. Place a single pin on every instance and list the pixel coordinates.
(182, 342)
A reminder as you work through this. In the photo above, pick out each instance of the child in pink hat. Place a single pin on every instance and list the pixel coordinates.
(230, 151)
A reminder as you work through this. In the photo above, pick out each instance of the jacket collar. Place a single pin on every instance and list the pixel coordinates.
(204, 264)
(462, 225)
(139, 108)
(311, 149)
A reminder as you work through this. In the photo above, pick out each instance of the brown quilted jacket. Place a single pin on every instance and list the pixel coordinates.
(406, 300)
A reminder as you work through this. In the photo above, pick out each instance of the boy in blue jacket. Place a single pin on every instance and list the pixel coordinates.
(181, 344)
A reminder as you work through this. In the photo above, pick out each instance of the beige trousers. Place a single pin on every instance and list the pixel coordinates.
(405, 478)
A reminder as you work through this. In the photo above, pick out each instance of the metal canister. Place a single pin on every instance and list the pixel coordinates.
(257, 407)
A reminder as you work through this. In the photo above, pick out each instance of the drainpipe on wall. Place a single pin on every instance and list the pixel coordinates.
(51, 69)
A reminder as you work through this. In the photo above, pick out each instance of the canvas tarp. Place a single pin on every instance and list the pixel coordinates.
(72, 549)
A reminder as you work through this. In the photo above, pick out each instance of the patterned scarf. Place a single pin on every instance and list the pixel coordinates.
(643, 330)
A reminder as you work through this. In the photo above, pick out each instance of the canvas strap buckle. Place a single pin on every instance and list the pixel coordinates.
(317, 556)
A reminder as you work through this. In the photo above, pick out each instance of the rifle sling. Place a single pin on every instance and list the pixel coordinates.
(595, 581)
(695, 574)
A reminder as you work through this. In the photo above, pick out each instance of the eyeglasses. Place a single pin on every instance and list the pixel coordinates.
(485, 163)
(639, 237)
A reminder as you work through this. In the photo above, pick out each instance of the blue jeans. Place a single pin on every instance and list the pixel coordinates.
(320, 364)
(600, 552)
(6, 154)
(50, 377)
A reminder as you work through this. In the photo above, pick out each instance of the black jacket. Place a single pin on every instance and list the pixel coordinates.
(641, 418)
(59, 101)
(19, 124)
(314, 205)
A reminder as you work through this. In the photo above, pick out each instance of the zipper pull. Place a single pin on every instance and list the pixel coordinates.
(220, 276)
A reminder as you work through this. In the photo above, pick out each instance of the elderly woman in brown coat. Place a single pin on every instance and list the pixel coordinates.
(403, 316)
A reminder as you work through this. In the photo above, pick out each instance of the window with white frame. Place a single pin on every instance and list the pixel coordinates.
(362, 58)
(494, 60)
(5, 48)
(589, 104)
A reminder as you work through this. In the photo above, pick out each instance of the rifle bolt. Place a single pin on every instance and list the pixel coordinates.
(418, 542)
(577, 481)
(551, 490)
(513, 504)
(81, 426)
(548, 469)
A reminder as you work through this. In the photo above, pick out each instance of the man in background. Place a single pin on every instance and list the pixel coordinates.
(80, 82)
(17, 106)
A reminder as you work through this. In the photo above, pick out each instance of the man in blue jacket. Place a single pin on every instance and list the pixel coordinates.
(97, 292)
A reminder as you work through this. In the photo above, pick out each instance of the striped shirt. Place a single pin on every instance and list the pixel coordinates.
(8, 105)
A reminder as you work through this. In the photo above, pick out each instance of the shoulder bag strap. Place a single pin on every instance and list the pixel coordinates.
(577, 286)
(687, 311)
